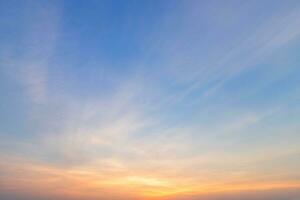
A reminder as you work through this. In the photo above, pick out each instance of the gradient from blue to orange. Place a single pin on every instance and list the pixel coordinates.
(149, 100)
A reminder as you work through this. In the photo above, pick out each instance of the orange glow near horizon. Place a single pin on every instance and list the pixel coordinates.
(149, 100)
(84, 183)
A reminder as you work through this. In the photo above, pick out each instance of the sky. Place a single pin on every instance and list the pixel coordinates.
(149, 100)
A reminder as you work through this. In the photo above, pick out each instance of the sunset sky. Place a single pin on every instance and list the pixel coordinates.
(150, 100)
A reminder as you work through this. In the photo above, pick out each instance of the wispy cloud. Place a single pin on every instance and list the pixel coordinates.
(29, 61)
(208, 77)
(163, 128)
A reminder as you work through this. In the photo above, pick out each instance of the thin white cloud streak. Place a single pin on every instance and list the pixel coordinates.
(28, 61)
(271, 36)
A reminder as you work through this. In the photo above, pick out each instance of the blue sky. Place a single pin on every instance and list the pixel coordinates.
(152, 98)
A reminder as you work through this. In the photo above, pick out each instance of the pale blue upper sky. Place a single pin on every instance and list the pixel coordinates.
(205, 85)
